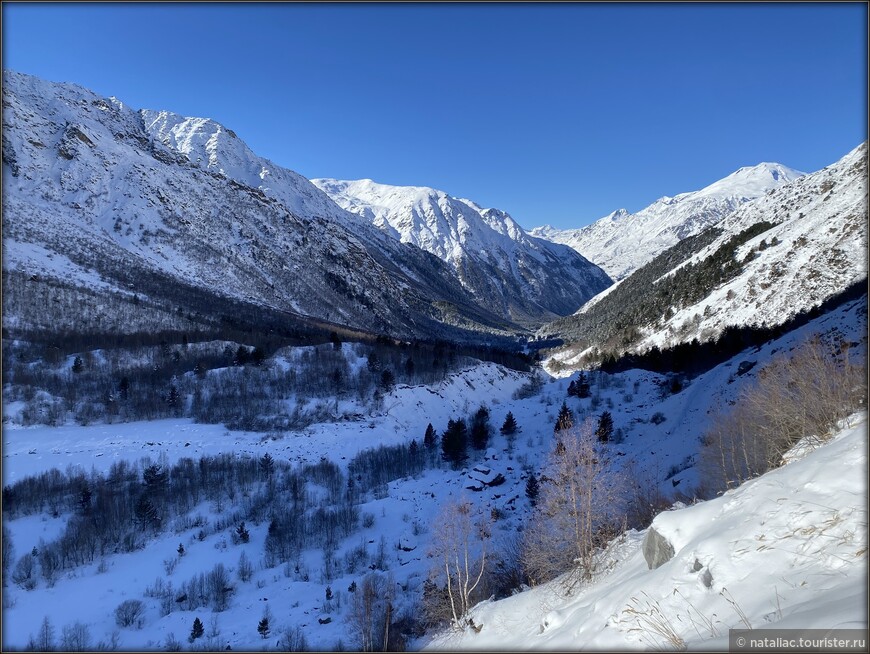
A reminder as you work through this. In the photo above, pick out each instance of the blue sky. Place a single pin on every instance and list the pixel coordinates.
(556, 113)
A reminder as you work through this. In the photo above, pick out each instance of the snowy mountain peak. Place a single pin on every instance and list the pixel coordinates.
(750, 181)
(492, 255)
(622, 242)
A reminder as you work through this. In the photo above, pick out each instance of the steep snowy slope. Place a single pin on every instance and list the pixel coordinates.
(622, 242)
(526, 278)
(140, 202)
(768, 260)
(816, 248)
(785, 550)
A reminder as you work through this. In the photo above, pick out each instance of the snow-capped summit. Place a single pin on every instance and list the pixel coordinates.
(151, 204)
(622, 242)
(493, 256)
(749, 182)
(209, 145)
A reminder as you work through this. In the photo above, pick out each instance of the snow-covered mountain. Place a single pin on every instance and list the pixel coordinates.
(97, 195)
(621, 242)
(768, 260)
(523, 277)
(816, 249)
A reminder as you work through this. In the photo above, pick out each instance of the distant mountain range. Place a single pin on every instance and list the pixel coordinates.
(622, 242)
(100, 198)
(118, 220)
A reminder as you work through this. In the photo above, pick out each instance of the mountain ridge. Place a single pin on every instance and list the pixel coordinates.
(87, 181)
(621, 242)
(492, 254)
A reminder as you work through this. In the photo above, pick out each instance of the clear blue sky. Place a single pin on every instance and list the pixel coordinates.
(557, 113)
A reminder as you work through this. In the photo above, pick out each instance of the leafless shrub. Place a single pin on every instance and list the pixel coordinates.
(293, 640)
(794, 398)
(129, 613)
(245, 569)
(75, 637)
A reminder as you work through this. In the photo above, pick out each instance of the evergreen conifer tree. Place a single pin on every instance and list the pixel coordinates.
(565, 420)
(532, 488)
(454, 443)
(582, 386)
(604, 432)
(480, 429)
(429, 437)
(197, 631)
(510, 425)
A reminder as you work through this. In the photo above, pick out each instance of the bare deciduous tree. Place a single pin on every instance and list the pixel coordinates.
(370, 612)
(796, 397)
(460, 548)
(579, 508)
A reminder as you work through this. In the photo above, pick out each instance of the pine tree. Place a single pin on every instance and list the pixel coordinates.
(267, 465)
(124, 389)
(480, 429)
(85, 497)
(510, 425)
(242, 356)
(604, 432)
(78, 365)
(173, 399)
(582, 386)
(242, 533)
(572, 389)
(197, 631)
(565, 420)
(146, 514)
(429, 439)
(454, 443)
(387, 379)
(180, 550)
(263, 628)
(532, 488)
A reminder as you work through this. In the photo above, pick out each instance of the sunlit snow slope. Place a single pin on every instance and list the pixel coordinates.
(786, 550)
